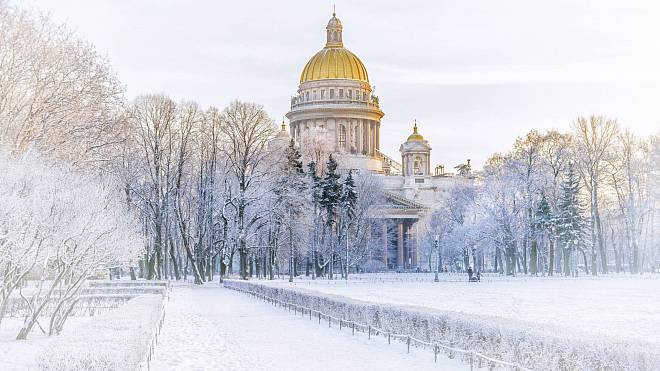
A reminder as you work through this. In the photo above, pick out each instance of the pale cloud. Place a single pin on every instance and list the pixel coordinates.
(601, 71)
(475, 74)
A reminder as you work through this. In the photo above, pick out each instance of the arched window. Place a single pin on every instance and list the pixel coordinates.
(342, 137)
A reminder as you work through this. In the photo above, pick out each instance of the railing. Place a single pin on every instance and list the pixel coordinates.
(154, 338)
(475, 359)
(348, 103)
(390, 166)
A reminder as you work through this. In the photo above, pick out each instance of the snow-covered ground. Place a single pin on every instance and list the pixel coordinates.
(116, 336)
(213, 328)
(24, 354)
(622, 308)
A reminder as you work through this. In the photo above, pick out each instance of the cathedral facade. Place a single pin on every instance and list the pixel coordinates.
(334, 94)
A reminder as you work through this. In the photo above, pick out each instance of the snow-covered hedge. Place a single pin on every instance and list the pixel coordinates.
(117, 340)
(536, 347)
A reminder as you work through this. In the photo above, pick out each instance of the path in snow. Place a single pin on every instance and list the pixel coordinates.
(212, 328)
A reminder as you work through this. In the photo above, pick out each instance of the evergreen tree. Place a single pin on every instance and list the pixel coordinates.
(315, 184)
(316, 189)
(330, 201)
(290, 190)
(348, 202)
(545, 224)
(569, 220)
(349, 196)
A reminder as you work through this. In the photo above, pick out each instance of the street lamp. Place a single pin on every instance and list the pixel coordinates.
(436, 245)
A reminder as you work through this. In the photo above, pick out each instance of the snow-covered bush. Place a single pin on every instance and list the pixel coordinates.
(117, 340)
(59, 226)
(57, 94)
(534, 346)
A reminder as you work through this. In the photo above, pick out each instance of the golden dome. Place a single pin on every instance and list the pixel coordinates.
(415, 136)
(334, 61)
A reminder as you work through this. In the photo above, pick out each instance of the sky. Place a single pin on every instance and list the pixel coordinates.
(474, 74)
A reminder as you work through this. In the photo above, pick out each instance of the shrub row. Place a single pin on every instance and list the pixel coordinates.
(534, 346)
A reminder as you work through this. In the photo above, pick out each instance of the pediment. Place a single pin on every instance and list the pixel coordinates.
(393, 200)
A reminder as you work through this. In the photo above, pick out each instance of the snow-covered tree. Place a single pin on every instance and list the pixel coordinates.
(594, 140)
(570, 222)
(330, 202)
(291, 189)
(247, 129)
(57, 94)
(60, 232)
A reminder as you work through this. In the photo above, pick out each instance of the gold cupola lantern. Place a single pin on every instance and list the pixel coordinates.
(334, 61)
(415, 136)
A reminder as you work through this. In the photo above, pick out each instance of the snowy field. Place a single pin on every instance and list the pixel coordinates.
(24, 355)
(109, 335)
(618, 308)
(213, 328)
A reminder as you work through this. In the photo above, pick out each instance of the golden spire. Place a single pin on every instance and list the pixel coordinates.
(333, 10)
(283, 125)
(415, 136)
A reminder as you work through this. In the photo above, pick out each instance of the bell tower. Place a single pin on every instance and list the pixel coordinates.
(416, 155)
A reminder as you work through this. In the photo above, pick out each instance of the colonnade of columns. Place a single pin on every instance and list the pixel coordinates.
(400, 244)
(356, 136)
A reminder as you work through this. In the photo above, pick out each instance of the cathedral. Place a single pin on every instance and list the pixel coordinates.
(334, 94)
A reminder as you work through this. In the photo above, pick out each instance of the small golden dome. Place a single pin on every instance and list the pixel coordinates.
(283, 133)
(334, 61)
(415, 136)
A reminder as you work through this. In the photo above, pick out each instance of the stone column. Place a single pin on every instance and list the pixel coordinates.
(400, 261)
(349, 135)
(373, 138)
(414, 229)
(358, 133)
(378, 135)
(336, 130)
(365, 134)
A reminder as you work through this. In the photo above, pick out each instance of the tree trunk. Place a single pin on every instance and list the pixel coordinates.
(586, 266)
(567, 261)
(601, 244)
(533, 258)
(173, 259)
(524, 257)
(551, 257)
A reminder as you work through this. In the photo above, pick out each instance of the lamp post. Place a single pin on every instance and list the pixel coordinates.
(436, 245)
